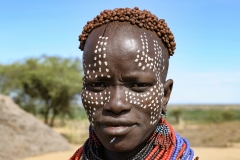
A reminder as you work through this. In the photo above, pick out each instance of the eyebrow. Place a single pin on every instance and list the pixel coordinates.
(139, 76)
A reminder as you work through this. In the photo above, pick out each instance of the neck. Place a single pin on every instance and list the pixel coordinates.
(109, 155)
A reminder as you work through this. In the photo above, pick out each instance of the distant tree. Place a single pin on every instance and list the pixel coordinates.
(51, 83)
(177, 113)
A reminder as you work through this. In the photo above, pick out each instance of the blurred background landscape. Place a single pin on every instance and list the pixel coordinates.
(41, 70)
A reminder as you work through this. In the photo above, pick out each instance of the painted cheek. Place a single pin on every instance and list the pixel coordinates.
(93, 102)
(151, 100)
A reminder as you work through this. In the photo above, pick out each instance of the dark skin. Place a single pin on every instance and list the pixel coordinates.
(124, 86)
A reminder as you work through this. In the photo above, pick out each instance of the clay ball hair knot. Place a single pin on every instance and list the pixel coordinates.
(141, 18)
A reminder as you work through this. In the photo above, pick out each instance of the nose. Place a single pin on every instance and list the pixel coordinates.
(117, 101)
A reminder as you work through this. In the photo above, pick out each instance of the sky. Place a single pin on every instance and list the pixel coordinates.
(206, 64)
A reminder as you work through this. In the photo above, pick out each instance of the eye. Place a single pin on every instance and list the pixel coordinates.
(97, 86)
(140, 87)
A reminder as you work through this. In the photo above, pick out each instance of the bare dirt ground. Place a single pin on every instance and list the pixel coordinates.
(231, 153)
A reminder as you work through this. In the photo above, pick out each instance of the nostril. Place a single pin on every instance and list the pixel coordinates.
(117, 103)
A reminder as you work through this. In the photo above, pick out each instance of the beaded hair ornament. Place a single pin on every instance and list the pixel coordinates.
(141, 18)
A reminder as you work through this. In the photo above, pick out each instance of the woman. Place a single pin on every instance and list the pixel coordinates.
(125, 91)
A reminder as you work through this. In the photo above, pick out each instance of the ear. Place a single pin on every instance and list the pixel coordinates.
(168, 85)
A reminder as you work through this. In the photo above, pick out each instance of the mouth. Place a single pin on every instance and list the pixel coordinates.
(117, 130)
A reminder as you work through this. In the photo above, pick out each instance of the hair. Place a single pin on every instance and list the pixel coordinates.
(141, 18)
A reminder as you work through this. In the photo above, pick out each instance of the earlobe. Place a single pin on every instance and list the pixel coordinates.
(168, 85)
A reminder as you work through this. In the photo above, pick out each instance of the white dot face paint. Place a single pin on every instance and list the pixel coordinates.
(145, 61)
(92, 101)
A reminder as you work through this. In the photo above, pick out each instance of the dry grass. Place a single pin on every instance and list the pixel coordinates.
(76, 132)
(211, 135)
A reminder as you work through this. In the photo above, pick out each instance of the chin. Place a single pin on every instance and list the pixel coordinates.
(123, 145)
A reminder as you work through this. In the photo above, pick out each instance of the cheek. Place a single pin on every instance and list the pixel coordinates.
(150, 102)
(93, 102)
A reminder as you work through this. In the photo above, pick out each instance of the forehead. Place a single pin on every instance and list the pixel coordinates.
(122, 38)
(119, 43)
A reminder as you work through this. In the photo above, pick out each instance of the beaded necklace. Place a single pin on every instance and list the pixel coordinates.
(163, 144)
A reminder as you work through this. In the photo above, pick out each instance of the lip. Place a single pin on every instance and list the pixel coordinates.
(116, 127)
(120, 130)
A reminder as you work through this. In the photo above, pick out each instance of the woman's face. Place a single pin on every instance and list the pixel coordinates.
(123, 89)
